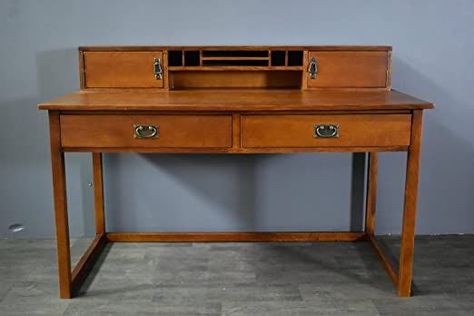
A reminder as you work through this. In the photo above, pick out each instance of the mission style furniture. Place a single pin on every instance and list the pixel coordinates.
(234, 100)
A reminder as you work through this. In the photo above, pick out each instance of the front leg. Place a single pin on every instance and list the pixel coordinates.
(60, 207)
(409, 212)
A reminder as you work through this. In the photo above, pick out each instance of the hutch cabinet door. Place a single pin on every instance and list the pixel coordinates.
(123, 69)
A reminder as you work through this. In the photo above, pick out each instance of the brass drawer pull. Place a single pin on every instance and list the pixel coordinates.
(145, 131)
(326, 131)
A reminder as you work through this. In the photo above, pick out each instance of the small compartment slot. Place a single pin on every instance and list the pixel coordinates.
(235, 53)
(191, 58)
(295, 58)
(175, 58)
(278, 58)
(235, 62)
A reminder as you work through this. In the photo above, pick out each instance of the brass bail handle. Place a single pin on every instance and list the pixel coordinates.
(326, 131)
(145, 131)
(313, 68)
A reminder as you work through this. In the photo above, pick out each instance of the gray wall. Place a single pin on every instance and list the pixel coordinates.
(432, 58)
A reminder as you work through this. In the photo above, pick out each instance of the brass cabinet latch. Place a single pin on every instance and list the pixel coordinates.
(157, 69)
(313, 68)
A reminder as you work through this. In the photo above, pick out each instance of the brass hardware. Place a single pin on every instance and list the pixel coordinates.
(157, 69)
(146, 131)
(326, 131)
(313, 68)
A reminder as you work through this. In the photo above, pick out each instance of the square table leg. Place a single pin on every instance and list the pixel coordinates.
(97, 170)
(60, 207)
(371, 197)
(409, 212)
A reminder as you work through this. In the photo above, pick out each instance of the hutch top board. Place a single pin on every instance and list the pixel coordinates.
(235, 99)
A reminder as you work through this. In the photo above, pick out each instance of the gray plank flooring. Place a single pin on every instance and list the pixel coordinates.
(240, 279)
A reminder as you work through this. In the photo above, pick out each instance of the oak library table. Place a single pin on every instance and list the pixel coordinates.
(234, 100)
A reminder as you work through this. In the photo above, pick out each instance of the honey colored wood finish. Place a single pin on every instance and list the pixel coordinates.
(138, 48)
(60, 207)
(235, 79)
(409, 208)
(121, 69)
(371, 199)
(233, 100)
(181, 131)
(339, 69)
(98, 193)
(299, 130)
(237, 237)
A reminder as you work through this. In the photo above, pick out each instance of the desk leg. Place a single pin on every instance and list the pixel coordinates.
(60, 207)
(370, 204)
(409, 212)
(98, 193)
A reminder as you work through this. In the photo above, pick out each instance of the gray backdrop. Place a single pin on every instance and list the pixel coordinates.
(432, 58)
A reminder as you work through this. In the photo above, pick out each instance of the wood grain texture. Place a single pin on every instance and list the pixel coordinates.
(363, 69)
(234, 100)
(298, 130)
(235, 79)
(121, 69)
(236, 135)
(409, 208)
(174, 131)
(371, 194)
(239, 151)
(60, 207)
(98, 182)
(235, 236)
(240, 47)
(241, 100)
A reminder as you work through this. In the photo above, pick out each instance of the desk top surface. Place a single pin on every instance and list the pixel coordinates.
(241, 100)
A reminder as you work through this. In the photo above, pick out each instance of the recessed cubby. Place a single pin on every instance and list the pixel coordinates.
(278, 58)
(295, 58)
(191, 58)
(175, 58)
(222, 67)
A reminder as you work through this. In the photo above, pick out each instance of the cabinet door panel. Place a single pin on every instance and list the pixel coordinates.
(121, 69)
(349, 69)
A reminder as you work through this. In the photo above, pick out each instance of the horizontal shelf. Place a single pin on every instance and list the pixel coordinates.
(235, 58)
(240, 68)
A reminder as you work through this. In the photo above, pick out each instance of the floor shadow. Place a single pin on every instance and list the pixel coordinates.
(94, 270)
(302, 255)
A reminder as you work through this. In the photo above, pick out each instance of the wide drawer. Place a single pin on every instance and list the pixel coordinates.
(345, 130)
(184, 131)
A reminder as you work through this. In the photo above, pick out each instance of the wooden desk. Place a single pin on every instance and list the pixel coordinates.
(234, 100)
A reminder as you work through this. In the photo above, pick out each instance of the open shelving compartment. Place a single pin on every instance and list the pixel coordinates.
(232, 68)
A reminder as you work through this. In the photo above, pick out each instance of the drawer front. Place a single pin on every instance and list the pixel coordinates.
(167, 131)
(122, 69)
(360, 130)
(344, 69)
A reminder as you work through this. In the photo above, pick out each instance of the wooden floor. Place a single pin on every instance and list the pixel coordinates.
(240, 279)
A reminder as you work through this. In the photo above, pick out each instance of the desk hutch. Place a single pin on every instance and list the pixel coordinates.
(234, 100)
